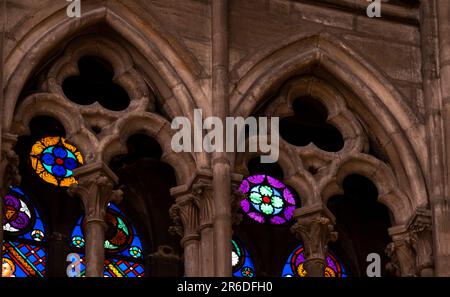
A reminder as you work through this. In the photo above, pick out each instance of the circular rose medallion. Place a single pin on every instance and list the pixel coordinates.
(54, 160)
(266, 199)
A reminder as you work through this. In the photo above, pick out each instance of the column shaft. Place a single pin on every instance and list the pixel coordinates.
(191, 258)
(94, 249)
(221, 163)
(207, 251)
(315, 228)
(315, 267)
(441, 205)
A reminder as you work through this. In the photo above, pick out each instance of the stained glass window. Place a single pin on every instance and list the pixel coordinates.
(241, 261)
(266, 199)
(54, 160)
(24, 252)
(123, 247)
(294, 265)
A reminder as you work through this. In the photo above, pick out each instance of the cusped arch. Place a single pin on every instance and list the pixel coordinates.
(176, 77)
(379, 173)
(400, 132)
(46, 104)
(154, 126)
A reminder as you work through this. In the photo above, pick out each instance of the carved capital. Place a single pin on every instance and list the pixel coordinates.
(421, 240)
(401, 253)
(184, 214)
(95, 188)
(315, 227)
(203, 197)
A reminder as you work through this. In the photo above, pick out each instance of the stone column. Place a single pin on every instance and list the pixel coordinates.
(3, 20)
(440, 204)
(9, 175)
(3, 160)
(411, 251)
(204, 199)
(401, 253)
(422, 242)
(314, 227)
(220, 162)
(95, 188)
(184, 213)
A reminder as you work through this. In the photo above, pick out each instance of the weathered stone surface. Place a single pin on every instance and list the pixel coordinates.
(383, 81)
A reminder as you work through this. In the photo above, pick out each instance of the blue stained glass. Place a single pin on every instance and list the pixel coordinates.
(48, 167)
(78, 269)
(70, 163)
(17, 202)
(59, 171)
(49, 150)
(77, 231)
(23, 253)
(130, 250)
(70, 155)
(241, 262)
(48, 159)
(59, 152)
(121, 268)
(53, 159)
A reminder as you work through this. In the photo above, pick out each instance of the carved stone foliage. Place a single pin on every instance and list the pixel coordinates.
(316, 230)
(194, 206)
(411, 250)
(184, 214)
(402, 256)
(203, 195)
(422, 241)
(95, 188)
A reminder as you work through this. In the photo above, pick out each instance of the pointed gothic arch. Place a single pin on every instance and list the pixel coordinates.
(176, 73)
(365, 88)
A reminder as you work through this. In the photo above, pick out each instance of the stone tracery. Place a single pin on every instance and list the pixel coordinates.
(316, 175)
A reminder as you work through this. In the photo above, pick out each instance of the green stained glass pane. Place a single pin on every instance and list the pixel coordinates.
(255, 197)
(266, 208)
(266, 191)
(277, 202)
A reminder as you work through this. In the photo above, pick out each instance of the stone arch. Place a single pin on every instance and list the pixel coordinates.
(379, 173)
(53, 105)
(177, 78)
(400, 132)
(156, 127)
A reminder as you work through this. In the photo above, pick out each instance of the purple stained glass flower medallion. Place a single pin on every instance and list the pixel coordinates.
(267, 200)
